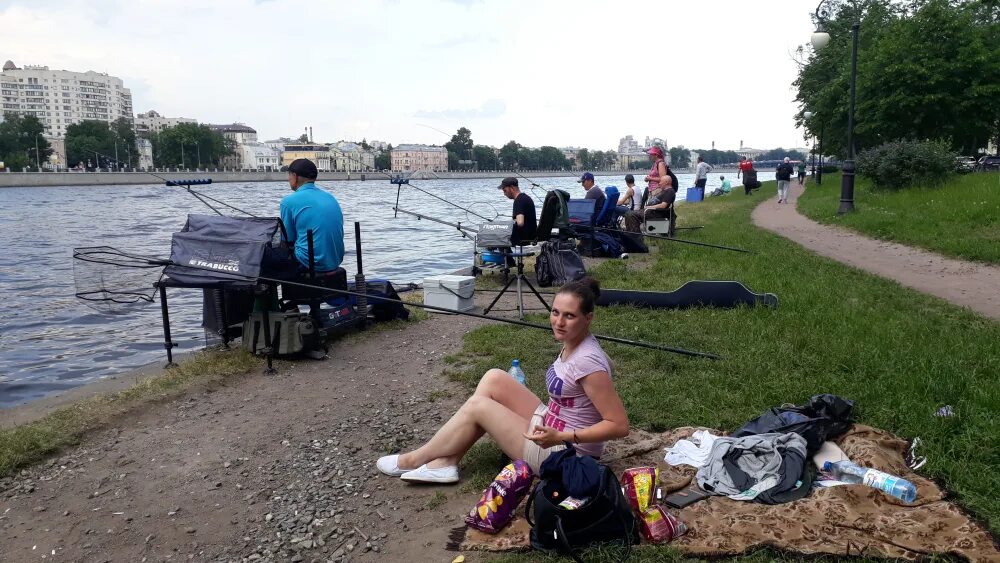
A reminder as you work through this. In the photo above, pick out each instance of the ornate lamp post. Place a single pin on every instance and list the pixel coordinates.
(820, 38)
(812, 157)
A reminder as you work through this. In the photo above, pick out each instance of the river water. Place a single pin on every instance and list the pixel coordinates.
(50, 341)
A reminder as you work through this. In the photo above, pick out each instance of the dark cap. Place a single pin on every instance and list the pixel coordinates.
(629, 179)
(303, 167)
(586, 176)
(508, 182)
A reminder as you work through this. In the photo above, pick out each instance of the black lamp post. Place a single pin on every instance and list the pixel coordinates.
(820, 39)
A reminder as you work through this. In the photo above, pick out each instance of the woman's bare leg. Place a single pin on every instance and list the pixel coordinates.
(500, 406)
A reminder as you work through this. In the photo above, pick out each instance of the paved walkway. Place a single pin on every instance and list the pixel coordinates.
(969, 284)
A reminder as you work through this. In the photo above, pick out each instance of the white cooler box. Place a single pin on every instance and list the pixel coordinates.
(451, 292)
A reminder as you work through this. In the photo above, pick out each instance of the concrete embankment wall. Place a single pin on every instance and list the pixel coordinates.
(39, 179)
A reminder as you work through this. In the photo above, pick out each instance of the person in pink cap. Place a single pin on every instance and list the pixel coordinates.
(660, 185)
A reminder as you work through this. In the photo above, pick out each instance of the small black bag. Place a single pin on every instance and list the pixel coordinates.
(605, 517)
(824, 418)
(558, 263)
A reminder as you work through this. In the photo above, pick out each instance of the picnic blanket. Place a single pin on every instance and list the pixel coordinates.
(849, 520)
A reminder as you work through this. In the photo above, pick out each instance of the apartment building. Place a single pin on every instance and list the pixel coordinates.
(60, 98)
(151, 122)
(419, 157)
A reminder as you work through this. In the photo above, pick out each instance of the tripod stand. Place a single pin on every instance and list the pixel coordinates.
(520, 278)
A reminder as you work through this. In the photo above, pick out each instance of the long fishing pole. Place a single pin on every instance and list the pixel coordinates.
(464, 231)
(370, 297)
(186, 184)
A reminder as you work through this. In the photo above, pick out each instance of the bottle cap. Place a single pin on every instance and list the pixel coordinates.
(516, 363)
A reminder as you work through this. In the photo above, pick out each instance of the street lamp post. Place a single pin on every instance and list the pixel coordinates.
(38, 159)
(812, 160)
(820, 38)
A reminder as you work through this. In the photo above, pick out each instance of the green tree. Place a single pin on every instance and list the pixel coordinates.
(527, 159)
(509, 154)
(680, 157)
(185, 144)
(90, 143)
(583, 159)
(383, 160)
(303, 138)
(21, 142)
(461, 144)
(486, 158)
(551, 158)
(927, 69)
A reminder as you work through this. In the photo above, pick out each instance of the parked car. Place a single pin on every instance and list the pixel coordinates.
(991, 163)
(965, 164)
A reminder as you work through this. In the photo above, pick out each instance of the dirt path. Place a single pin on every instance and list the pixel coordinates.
(968, 284)
(260, 468)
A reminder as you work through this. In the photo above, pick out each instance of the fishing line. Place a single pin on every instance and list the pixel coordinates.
(370, 297)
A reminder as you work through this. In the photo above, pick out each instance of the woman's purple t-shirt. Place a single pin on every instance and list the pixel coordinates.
(569, 406)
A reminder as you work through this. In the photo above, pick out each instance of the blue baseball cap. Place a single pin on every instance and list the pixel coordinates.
(586, 176)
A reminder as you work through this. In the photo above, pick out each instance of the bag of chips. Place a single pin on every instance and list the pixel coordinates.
(657, 525)
(496, 507)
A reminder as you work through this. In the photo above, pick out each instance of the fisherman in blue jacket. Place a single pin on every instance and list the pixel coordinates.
(309, 207)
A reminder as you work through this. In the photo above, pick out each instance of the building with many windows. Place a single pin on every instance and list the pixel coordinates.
(258, 156)
(151, 123)
(60, 98)
(351, 157)
(419, 157)
(318, 153)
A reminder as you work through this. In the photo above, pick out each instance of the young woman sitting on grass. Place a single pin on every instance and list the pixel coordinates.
(583, 406)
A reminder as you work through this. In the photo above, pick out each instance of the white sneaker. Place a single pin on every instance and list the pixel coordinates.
(424, 474)
(389, 465)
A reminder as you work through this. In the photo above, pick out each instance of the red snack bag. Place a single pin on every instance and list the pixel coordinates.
(640, 486)
(496, 506)
(659, 526)
(656, 524)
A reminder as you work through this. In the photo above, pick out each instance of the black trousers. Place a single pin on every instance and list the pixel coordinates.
(700, 183)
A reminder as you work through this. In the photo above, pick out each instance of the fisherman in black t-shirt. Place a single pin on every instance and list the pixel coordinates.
(523, 214)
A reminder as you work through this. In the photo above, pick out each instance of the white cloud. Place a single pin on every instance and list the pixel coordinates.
(583, 73)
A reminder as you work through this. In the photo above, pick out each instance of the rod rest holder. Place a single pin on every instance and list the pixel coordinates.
(190, 182)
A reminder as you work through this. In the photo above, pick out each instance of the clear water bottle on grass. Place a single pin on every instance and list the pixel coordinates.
(515, 371)
(850, 472)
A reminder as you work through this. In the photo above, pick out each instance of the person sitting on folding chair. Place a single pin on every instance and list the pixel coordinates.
(523, 213)
(310, 208)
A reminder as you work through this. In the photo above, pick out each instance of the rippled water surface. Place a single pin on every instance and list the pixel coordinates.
(50, 341)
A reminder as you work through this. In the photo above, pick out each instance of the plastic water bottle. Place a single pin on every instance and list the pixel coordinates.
(515, 371)
(850, 472)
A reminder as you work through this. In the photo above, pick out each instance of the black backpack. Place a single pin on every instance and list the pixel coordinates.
(605, 517)
(558, 263)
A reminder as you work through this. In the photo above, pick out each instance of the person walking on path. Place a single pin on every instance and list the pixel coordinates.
(748, 173)
(701, 173)
(802, 172)
(783, 173)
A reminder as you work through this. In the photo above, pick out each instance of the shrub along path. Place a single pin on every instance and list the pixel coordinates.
(969, 284)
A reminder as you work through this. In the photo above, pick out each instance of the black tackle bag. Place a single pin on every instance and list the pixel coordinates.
(824, 418)
(558, 263)
(605, 517)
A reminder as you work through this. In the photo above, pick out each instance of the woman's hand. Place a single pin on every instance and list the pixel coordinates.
(545, 436)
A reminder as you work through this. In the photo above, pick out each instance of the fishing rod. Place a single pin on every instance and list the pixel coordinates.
(186, 184)
(464, 231)
(370, 297)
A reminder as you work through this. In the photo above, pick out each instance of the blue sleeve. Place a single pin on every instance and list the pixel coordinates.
(288, 220)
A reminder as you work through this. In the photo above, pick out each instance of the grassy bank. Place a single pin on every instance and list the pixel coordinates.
(959, 219)
(28, 443)
(899, 354)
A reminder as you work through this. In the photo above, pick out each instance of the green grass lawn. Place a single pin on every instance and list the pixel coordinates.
(899, 354)
(960, 218)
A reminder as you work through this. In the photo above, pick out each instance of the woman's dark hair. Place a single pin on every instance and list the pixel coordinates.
(587, 290)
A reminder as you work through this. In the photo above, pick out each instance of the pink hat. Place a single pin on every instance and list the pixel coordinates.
(655, 150)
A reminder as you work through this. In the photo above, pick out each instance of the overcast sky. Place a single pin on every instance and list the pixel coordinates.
(582, 73)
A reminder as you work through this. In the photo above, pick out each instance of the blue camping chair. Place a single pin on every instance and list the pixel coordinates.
(608, 216)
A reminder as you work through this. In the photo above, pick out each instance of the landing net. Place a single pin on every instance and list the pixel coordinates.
(112, 281)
